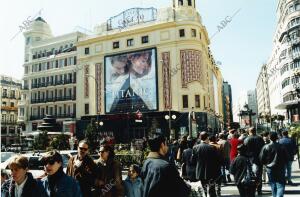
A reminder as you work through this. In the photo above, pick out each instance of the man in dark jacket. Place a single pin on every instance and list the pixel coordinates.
(82, 168)
(291, 147)
(159, 176)
(22, 182)
(275, 157)
(254, 144)
(208, 162)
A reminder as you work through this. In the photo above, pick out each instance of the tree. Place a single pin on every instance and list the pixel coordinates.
(41, 142)
(61, 142)
(91, 136)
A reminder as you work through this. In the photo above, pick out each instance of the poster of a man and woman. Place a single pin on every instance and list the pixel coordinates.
(130, 82)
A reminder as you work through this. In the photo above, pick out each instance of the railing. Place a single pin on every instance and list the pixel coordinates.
(9, 122)
(46, 84)
(39, 117)
(54, 99)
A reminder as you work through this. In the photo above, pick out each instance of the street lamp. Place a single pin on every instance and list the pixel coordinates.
(170, 118)
(97, 108)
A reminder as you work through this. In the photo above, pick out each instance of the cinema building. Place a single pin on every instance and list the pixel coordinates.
(147, 70)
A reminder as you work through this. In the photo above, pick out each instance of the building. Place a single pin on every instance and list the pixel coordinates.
(252, 104)
(262, 93)
(148, 69)
(284, 62)
(227, 104)
(10, 97)
(49, 82)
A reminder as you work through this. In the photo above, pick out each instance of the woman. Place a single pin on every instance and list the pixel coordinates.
(109, 176)
(243, 175)
(22, 182)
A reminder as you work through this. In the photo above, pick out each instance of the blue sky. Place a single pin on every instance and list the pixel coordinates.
(242, 46)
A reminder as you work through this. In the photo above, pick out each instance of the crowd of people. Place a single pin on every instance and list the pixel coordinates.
(207, 160)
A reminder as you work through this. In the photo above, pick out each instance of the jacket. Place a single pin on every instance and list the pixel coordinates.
(66, 186)
(133, 189)
(111, 176)
(31, 188)
(290, 146)
(85, 174)
(190, 167)
(275, 157)
(238, 168)
(207, 160)
(254, 144)
(160, 178)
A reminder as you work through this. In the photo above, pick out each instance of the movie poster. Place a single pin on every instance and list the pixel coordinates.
(131, 82)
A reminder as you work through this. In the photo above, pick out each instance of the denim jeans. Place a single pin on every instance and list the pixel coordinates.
(288, 172)
(258, 170)
(277, 187)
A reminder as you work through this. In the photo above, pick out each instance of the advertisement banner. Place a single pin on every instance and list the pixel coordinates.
(131, 82)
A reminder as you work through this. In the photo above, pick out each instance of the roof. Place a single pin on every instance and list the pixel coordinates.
(40, 19)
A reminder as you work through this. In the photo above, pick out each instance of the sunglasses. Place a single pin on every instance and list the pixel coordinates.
(84, 149)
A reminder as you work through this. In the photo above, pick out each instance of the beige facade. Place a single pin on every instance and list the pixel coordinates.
(185, 65)
(10, 97)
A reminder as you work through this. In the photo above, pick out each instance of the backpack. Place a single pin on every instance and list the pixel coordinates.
(249, 178)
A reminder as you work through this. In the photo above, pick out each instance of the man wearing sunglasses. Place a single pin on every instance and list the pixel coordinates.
(57, 183)
(83, 169)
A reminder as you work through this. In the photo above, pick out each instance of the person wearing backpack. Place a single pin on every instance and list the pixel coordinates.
(243, 174)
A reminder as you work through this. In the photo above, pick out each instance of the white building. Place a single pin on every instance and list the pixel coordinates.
(10, 97)
(284, 62)
(49, 82)
(262, 92)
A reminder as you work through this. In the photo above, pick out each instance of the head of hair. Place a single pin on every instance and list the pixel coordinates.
(109, 149)
(266, 133)
(203, 136)
(212, 138)
(242, 149)
(285, 133)
(252, 130)
(190, 143)
(136, 168)
(4, 173)
(235, 135)
(222, 136)
(53, 155)
(19, 161)
(273, 136)
(84, 142)
(155, 141)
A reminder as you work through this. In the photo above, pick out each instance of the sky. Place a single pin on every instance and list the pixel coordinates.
(240, 46)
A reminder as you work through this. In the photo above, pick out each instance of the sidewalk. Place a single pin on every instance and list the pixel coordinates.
(231, 189)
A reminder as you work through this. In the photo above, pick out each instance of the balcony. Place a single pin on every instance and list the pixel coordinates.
(4, 95)
(25, 87)
(9, 122)
(55, 83)
(54, 99)
(8, 108)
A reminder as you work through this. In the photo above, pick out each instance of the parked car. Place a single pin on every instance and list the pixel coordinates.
(6, 155)
(35, 165)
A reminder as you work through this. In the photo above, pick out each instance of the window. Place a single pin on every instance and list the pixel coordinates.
(145, 39)
(12, 104)
(116, 45)
(190, 2)
(130, 42)
(87, 51)
(185, 102)
(86, 108)
(181, 33)
(180, 2)
(193, 32)
(197, 101)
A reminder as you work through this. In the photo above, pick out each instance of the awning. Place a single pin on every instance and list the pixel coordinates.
(286, 104)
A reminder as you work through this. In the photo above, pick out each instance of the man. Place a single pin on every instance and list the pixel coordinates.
(207, 161)
(83, 169)
(275, 157)
(254, 144)
(57, 183)
(159, 176)
(21, 183)
(291, 147)
(225, 147)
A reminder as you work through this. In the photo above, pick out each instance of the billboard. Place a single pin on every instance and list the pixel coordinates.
(131, 82)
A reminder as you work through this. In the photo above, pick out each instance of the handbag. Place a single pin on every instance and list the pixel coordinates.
(249, 178)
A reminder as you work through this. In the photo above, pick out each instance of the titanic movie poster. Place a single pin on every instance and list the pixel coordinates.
(130, 82)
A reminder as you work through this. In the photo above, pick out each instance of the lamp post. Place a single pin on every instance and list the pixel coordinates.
(97, 110)
(170, 118)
